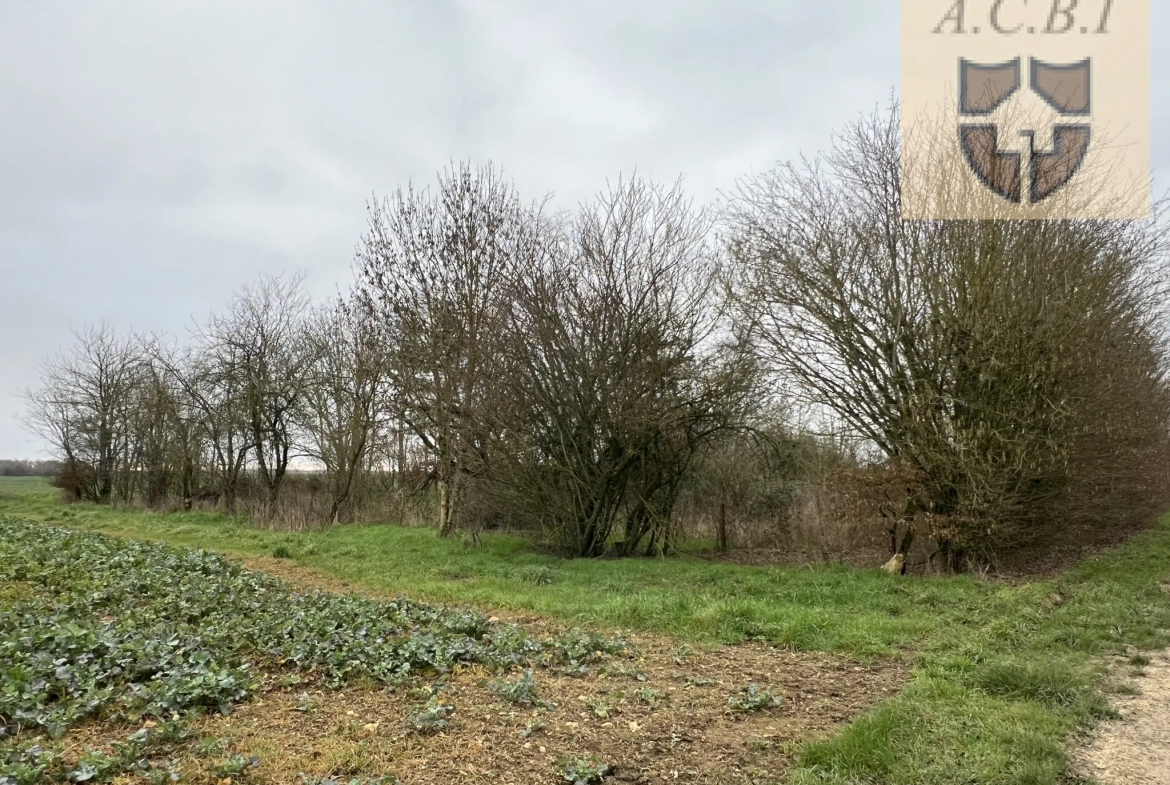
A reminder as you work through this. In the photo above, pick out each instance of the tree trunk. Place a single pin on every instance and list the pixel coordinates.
(444, 509)
(951, 556)
(270, 504)
(904, 547)
(401, 454)
(186, 482)
(723, 544)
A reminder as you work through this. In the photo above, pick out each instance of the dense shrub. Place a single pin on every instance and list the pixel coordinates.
(1019, 366)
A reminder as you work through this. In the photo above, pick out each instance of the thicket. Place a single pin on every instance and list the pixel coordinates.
(1017, 368)
(798, 368)
(29, 468)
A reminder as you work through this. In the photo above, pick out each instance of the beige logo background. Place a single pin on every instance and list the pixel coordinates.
(1025, 145)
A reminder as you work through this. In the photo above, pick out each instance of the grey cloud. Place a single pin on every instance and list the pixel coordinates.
(154, 156)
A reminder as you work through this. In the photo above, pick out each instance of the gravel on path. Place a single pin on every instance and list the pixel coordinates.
(1135, 749)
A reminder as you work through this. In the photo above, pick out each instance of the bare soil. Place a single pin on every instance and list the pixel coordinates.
(650, 719)
(659, 716)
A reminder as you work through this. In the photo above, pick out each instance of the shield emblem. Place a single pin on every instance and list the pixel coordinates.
(999, 171)
(1064, 87)
(1052, 170)
(984, 88)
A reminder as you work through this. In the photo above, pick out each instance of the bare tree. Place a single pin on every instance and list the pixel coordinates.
(256, 356)
(1019, 365)
(84, 405)
(615, 372)
(149, 464)
(432, 270)
(211, 407)
(178, 416)
(340, 409)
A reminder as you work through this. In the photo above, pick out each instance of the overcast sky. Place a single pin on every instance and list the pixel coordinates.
(155, 155)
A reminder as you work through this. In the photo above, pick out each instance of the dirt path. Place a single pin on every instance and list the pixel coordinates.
(1135, 749)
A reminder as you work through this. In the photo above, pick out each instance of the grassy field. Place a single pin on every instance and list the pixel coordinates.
(1005, 677)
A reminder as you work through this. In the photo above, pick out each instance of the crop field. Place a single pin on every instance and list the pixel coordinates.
(140, 647)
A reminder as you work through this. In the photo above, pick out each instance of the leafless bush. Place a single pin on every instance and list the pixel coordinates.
(744, 491)
(861, 513)
(84, 406)
(615, 378)
(303, 503)
(73, 479)
(1020, 366)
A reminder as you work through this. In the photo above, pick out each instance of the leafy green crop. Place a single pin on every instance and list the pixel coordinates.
(752, 698)
(583, 771)
(148, 751)
(652, 696)
(432, 718)
(106, 628)
(519, 690)
(308, 780)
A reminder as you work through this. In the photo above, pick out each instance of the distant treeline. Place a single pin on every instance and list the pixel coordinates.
(29, 468)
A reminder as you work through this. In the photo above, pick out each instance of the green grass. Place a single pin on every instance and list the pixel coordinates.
(865, 614)
(1004, 677)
